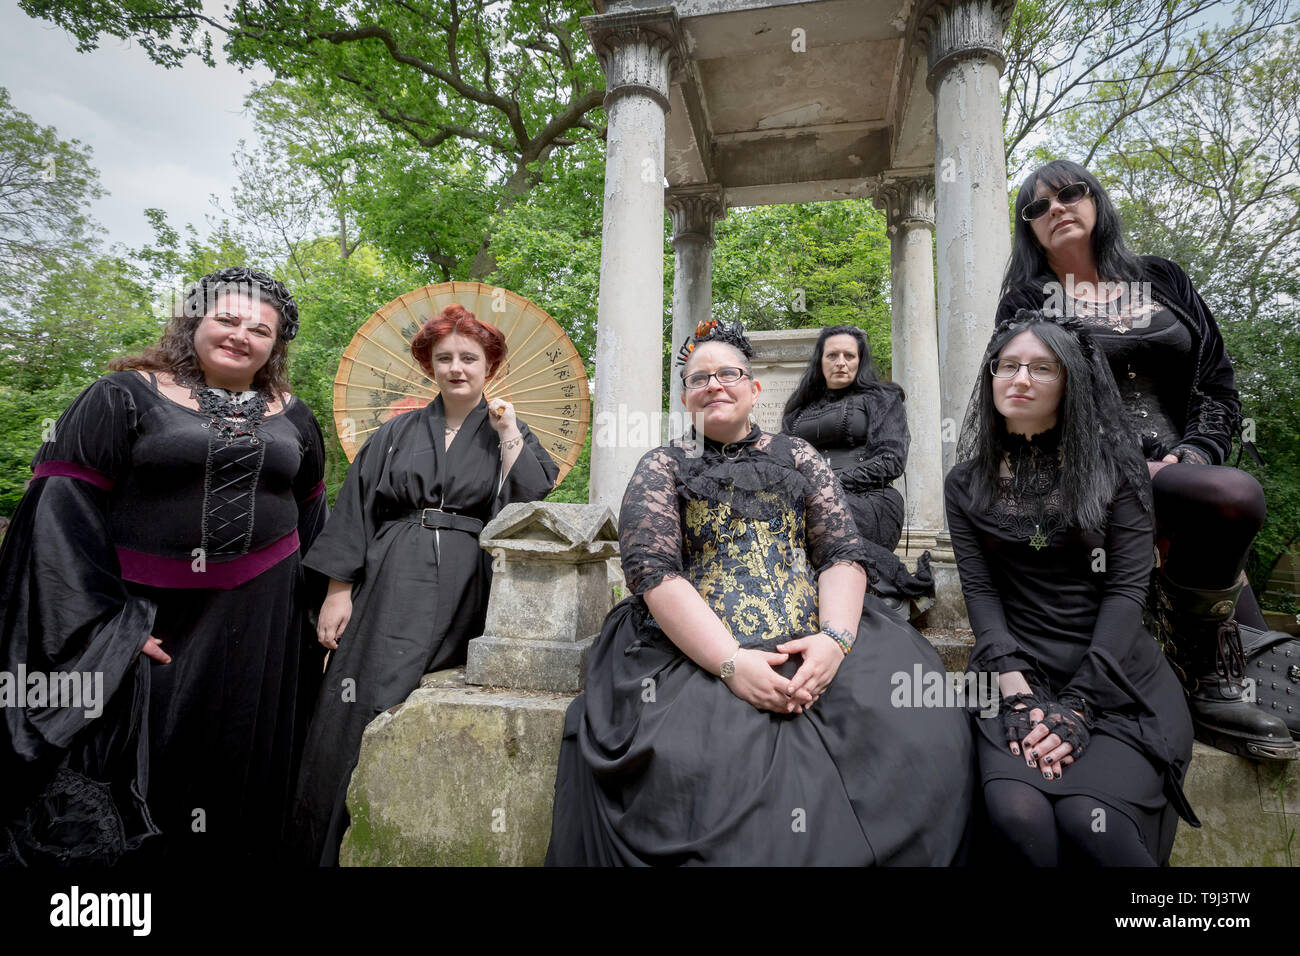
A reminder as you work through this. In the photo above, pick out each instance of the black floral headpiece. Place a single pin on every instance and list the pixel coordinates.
(716, 330)
(1071, 324)
(200, 295)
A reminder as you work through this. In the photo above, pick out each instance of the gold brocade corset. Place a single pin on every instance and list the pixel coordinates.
(753, 573)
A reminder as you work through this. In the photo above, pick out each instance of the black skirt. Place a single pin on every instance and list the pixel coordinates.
(661, 764)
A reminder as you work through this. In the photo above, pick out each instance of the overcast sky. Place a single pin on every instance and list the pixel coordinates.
(160, 137)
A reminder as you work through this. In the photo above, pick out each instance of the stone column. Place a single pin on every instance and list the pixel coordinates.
(972, 231)
(694, 210)
(909, 204)
(638, 52)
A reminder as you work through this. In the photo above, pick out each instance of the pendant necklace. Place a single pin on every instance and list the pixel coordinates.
(231, 414)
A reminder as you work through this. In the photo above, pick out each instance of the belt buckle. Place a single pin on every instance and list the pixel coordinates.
(424, 512)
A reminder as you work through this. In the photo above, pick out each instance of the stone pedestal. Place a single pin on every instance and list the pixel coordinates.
(461, 774)
(456, 776)
(550, 593)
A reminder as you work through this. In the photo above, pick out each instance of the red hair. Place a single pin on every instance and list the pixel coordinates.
(459, 320)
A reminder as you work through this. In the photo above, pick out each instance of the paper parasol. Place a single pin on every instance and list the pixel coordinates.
(543, 376)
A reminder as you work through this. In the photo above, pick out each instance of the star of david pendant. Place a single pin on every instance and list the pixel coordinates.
(1037, 539)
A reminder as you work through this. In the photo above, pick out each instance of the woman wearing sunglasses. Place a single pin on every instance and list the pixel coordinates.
(1179, 398)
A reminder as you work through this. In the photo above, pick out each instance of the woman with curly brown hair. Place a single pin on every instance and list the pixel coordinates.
(408, 580)
(157, 551)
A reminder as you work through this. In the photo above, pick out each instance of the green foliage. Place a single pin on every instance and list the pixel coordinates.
(548, 245)
(46, 186)
(573, 489)
(335, 300)
(1209, 176)
(488, 92)
(806, 266)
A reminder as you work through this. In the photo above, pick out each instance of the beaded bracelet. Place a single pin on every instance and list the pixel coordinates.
(842, 638)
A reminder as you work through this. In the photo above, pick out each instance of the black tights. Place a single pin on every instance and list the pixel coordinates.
(1037, 825)
(1209, 514)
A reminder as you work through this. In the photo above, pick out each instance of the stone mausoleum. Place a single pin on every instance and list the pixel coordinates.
(714, 104)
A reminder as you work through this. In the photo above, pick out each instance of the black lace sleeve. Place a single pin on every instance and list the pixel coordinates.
(832, 534)
(649, 523)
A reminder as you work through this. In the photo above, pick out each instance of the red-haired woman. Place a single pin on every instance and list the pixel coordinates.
(409, 582)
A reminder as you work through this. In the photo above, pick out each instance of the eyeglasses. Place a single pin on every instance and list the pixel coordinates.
(725, 376)
(1066, 195)
(1041, 372)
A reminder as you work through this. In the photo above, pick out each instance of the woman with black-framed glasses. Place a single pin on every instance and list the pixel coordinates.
(1179, 397)
(1050, 514)
(742, 705)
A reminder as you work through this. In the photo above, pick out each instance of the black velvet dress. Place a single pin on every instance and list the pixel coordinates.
(863, 435)
(418, 595)
(142, 519)
(1168, 358)
(661, 764)
(1065, 607)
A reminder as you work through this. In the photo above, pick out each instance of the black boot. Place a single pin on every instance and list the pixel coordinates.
(1200, 637)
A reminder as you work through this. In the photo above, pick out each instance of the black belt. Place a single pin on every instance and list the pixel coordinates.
(435, 518)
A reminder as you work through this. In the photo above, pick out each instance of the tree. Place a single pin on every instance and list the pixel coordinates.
(1117, 58)
(1209, 176)
(512, 82)
(807, 265)
(46, 187)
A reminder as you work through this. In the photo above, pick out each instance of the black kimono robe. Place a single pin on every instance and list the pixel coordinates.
(418, 595)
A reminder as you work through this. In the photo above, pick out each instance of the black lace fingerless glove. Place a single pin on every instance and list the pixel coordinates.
(1061, 719)
(1015, 723)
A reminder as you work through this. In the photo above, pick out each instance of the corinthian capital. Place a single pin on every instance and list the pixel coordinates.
(639, 52)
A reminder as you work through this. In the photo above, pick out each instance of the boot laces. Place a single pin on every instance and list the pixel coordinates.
(1229, 658)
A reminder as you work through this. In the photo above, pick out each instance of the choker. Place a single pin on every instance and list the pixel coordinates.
(230, 414)
(729, 450)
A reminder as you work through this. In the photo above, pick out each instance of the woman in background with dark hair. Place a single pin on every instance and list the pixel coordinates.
(158, 550)
(1168, 360)
(842, 408)
(1050, 514)
(408, 580)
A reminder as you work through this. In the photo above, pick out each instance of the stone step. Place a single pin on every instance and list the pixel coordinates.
(465, 775)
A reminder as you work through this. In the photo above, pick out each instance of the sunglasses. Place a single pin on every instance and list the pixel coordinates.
(1066, 195)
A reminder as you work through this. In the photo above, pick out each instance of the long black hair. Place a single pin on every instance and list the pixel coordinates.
(1028, 262)
(812, 384)
(1098, 451)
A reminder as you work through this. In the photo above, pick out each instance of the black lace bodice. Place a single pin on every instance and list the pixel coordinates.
(1028, 504)
(750, 525)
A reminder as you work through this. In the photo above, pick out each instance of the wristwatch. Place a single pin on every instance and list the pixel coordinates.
(728, 668)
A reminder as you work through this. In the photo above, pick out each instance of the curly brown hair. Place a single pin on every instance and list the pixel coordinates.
(175, 353)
